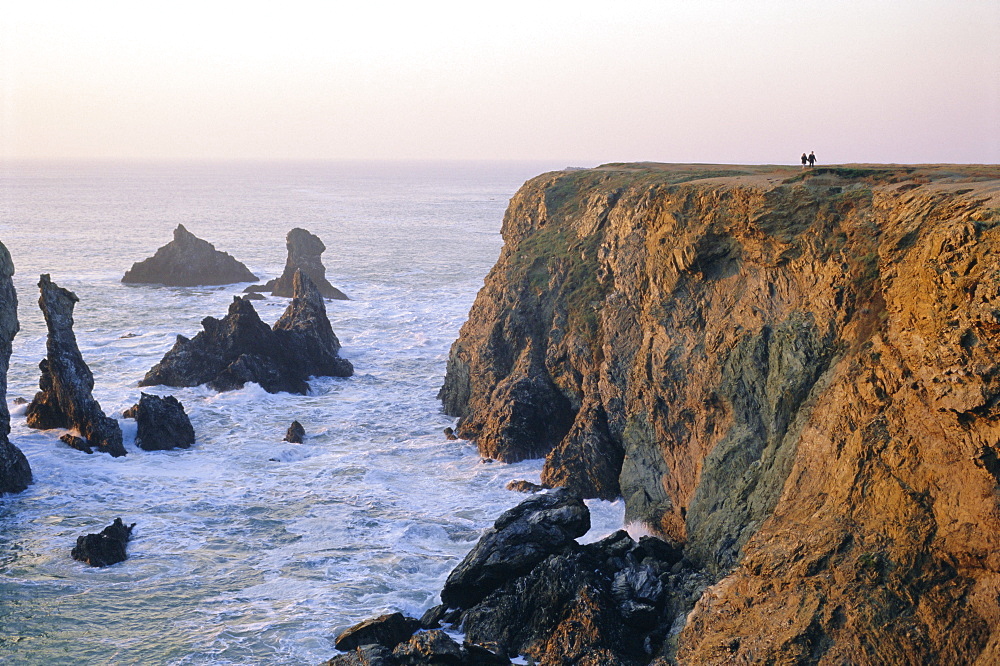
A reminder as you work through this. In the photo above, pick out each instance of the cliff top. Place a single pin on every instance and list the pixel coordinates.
(978, 179)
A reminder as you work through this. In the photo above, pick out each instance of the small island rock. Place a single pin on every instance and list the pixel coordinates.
(188, 261)
(106, 548)
(305, 252)
(161, 423)
(296, 433)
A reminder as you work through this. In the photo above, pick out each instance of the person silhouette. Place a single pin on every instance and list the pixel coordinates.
(812, 158)
(804, 160)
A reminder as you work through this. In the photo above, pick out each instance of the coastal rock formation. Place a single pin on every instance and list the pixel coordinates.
(296, 433)
(388, 630)
(792, 375)
(66, 397)
(305, 251)
(188, 261)
(15, 472)
(106, 548)
(240, 348)
(161, 423)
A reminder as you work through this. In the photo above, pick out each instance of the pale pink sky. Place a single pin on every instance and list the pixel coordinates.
(588, 82)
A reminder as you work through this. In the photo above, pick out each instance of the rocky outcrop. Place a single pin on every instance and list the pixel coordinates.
(105, 548)
(15, 472)
(66, 397)
(388, 630)
(296, 433)
(240, 348)
(305, 251)
(792, 375)
(161, 423)
(188, 261)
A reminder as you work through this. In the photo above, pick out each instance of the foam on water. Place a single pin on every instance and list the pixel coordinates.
(248, 549)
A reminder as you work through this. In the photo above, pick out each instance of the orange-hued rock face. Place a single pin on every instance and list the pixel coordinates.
(795, 374)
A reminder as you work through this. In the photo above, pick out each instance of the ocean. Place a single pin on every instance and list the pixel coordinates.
(248, 549)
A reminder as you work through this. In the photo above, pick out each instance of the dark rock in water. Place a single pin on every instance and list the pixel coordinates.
(106, 548)
(432, 617)
(305, 252)
(449, 434)
(389, 630)
(257, 288)
(519, 539)
(15, 473)
(430, 647)
(161, 423)
(75, 442)
(521, 486)
(366, 655)
(255, 296)
(241, 348)
(65, 399)
(20, 401)
(188, 261)
(295, 433)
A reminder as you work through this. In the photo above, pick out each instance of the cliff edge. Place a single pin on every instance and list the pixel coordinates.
(793, 374)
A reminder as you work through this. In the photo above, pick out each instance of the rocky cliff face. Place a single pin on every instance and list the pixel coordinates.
(15, 473)
(792, 374)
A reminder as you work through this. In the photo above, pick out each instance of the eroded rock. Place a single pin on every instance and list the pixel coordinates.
(305, 251)
(105, 548)
(296, 433)
(188, 261)
(240, 348)
(161, 423)
(15, 472)
(387, 630)
(66, 399)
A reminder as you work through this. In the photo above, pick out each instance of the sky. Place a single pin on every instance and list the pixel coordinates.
(737, 81)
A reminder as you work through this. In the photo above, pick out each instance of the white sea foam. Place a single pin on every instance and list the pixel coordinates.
(251, 549)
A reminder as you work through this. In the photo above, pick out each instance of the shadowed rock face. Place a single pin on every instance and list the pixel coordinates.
(188, 261)
(66, 399)
(794, 375)
(240, 348)
(305, 251)
(105, 548)
(15, 473)
(161, 423)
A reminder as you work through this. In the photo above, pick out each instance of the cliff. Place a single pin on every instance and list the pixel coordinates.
(792, 374)
(15, 472)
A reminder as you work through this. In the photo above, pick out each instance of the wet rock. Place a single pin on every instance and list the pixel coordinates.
(105, 548)
(241, 348)
(305, 252)
(296, 433)
(521, 486)
(365, 655)
(430, 647)
(161, 423)
(20, 401)
(66, 399)
(387, 630)
(432, 617)
(519, 539)
(74, 442)
(188, 261)
(449, 434)
(15, 472)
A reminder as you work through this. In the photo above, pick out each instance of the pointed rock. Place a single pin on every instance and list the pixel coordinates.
(241, 348)
(15, 473)
(188, 261)
(66, 399)
(305, 252)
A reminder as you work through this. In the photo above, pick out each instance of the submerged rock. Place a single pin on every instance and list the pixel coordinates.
(15, 472)
(188, 261)
(65, 399)
(240, 348)
(161, 423)
(106, 548)
(296, 433)
(305, 252)
(74, 442)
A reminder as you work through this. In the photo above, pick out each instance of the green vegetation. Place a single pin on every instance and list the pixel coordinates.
(870, 175)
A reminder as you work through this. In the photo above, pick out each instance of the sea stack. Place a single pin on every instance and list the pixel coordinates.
(15, 473)
(66, 399)
(161, 423)
(188, 261)
(305, 251)
(240, 348)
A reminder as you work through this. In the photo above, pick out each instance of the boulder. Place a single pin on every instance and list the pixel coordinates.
(161, 423)
(188, 261)
(74, 442)
(430, 647)
(240, 348)
(295, 433)
(519, 539)
(65, 398)
(366, 655)
(15, 472)
(106, 548)
(305, 252)
(388, 630)
(522, 486)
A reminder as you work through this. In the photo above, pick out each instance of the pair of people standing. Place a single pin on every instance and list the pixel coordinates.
(810, 159)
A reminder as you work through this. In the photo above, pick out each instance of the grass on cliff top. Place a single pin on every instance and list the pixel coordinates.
(868, 174)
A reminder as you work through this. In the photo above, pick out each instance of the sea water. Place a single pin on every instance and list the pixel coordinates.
(248, 549)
